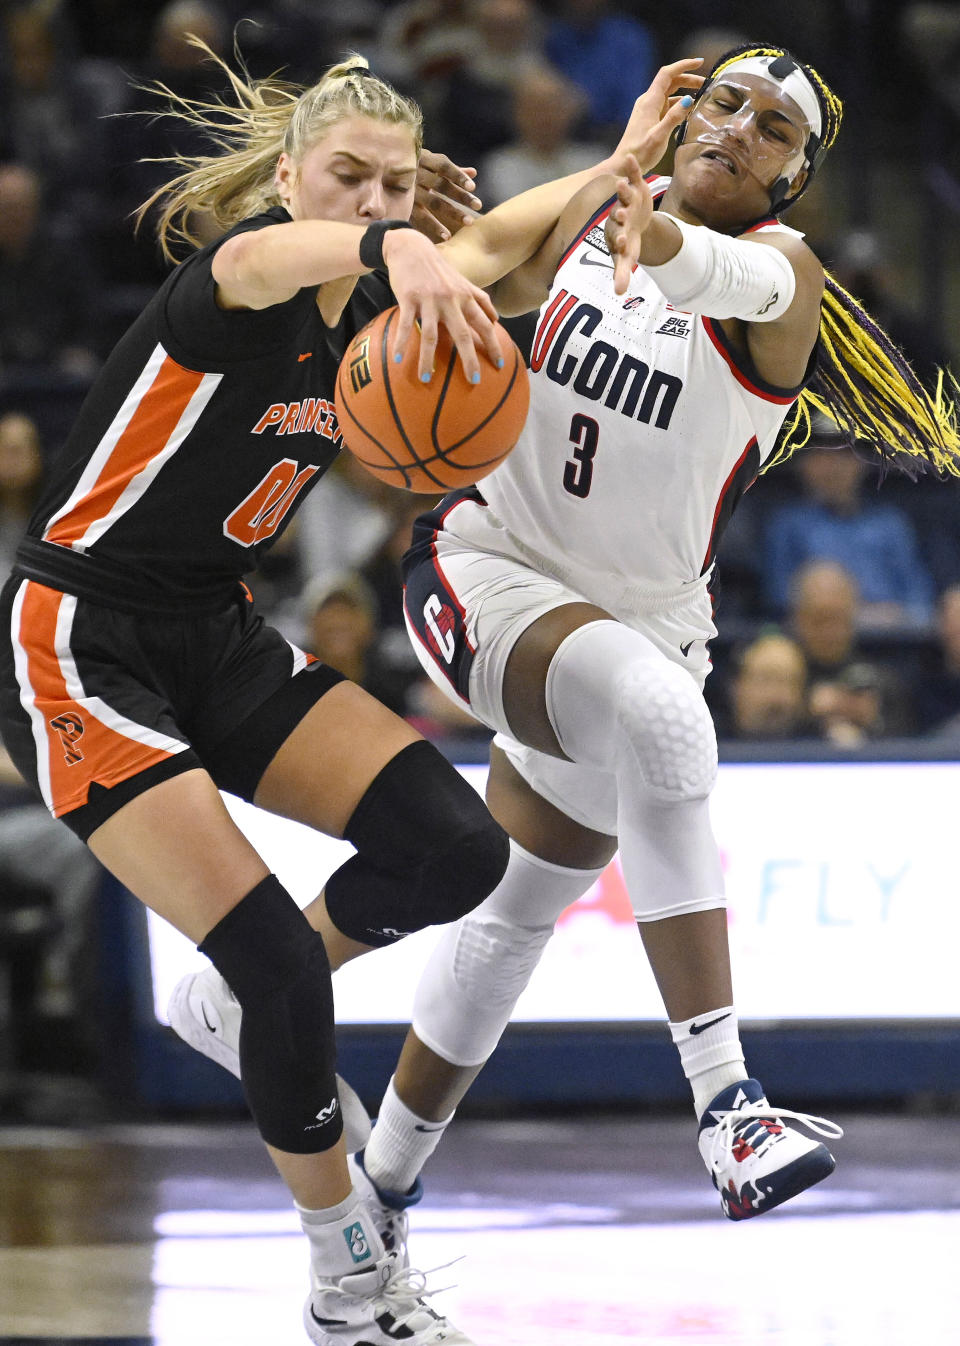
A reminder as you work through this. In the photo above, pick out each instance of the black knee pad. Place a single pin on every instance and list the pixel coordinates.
(428, 851)
(277, 967)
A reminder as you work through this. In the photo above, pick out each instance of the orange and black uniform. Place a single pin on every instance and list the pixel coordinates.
(129, 649)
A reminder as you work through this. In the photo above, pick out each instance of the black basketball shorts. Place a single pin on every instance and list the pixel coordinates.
(98, 705)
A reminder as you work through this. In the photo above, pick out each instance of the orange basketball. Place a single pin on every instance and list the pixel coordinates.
(428, 437)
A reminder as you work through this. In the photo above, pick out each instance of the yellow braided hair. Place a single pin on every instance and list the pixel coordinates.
(862, 381)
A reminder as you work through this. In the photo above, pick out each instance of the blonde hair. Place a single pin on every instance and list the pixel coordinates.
(268, 117)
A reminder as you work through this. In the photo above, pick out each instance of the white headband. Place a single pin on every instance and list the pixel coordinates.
(795, 85)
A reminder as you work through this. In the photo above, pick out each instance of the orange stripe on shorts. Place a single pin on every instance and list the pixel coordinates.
(81, 748)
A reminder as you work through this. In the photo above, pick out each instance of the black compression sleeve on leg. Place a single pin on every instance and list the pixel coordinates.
(277, 967)
(428, 851)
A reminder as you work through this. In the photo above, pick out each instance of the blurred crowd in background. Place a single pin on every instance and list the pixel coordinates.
(838, 595)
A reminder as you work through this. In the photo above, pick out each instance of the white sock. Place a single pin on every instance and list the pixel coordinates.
(401, 1143)
(343, 1238)
(710, 1053)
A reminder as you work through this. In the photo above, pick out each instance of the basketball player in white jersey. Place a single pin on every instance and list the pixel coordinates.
(566, 601)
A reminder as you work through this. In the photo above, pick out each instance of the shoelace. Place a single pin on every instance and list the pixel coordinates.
(745, 1122)
(404, 1294)
(396, 1225)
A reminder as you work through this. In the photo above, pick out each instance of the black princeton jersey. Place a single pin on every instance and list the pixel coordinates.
(202, 435)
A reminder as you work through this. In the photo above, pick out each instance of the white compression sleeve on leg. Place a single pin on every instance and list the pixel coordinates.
(481, 964)
(617, 702)
(725, 277)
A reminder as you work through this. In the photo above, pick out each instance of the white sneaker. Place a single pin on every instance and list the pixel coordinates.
(388, 1210)
(378, 1307)
(206, 1014)
(755, 1160)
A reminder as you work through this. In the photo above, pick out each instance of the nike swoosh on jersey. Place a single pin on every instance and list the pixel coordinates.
(586, 259)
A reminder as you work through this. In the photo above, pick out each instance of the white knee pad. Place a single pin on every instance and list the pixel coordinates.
(666, 725)
(617, 702)
(481, 964)
(669, 856)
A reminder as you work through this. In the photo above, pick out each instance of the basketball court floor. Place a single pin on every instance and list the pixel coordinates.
(569, 1231)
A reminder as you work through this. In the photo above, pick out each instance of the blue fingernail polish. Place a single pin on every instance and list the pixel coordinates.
(397, 357)
(686, 101)
(474, 378)
(425, 378)
(501, 362)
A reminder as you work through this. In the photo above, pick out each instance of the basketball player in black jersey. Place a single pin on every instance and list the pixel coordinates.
(136, 677)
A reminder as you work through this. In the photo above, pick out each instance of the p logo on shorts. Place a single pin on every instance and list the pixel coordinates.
(69, 729)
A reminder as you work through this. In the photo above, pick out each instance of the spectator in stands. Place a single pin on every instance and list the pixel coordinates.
(851, 696)
(505, 49)
(594, 44)
(382, 571)
(342, 526)
(768, 692)
(423, 44)
(51, 104)
(836, 520)
(48, 294)
(340, 628)
(864, 702)
(143, 141)
(931, 32)
(545, 108)
(21, 471)
(821, 616)
(40, 857)
(36, 853)
(937, 688)
(862, 265)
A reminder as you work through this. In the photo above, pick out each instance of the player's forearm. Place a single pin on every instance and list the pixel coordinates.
(512, 232)
(661, 241)
(267, 266)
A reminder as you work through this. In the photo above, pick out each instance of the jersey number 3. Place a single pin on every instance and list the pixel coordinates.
(577, 475)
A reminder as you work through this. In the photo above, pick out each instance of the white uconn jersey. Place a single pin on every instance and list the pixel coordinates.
(645, 428)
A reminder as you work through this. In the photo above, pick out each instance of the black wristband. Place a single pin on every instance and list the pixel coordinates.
(371, 244)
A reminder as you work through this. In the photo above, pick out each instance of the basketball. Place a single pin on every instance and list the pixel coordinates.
(428, 437)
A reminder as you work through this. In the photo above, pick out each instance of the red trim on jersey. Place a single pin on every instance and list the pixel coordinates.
(454, 600)
(147, 431)
(762, 224)
(604, 211)
(731, 478)
(543, 339)
(743, 371)
(98, 752)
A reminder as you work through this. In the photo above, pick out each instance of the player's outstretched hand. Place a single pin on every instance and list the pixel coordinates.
(656, 114)
(626, 223)
(430, 291)
(444, 201)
